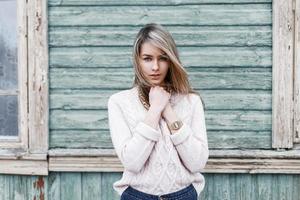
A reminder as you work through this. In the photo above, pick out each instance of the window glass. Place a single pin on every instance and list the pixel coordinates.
(8, 69)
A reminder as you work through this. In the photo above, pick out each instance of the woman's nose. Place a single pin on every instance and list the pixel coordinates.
(155, 65)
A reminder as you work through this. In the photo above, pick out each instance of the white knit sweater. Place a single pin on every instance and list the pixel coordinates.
(154, 161)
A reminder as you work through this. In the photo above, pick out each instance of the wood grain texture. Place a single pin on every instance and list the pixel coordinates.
(215, 120)
(282, 99)
(226, 47)
(297, 74)
(197, 57)
(99, 78)
(147, 2)
(214, 165)
(93, 99)
(25, 167)
(218, 186)
(218, 14)
(38, 76)
(235, 153)
(216, 139)
(237, 36)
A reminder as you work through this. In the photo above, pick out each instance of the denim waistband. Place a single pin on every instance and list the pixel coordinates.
(177, 194)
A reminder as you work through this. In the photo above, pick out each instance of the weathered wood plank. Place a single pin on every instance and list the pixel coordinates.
(20, 190)
(22, 73)
(236, 153)
(285, 190)
(38, 76)
(92, 186)
(80, 139)
(116, 57)
(282, 100)
(261, 186)
(234, 78)
(218, 14)
(214, 99)
(297, 74)
(26, 167)
(70, 186)
(183, 35)
(239, 139)
(147, 2)
(54, 186)
(220, 165)
(38, 187)
(216, 139)
(295, 185)
(264, 187)
(4, 187)
(221, 186)
(215, 120)
(106, 185)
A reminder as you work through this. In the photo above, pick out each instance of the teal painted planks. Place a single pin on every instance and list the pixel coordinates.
(94, 185)
(147, 2)
(71, 186)
(95, 99)
(80, 139)
(217, 14)
(215, 120)
(80, 78)
(91, 189)
(226, 46)
(221, 139)
(183, 35)
(197, 57)
(20, 187)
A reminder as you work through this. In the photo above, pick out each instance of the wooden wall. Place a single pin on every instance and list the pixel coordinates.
(226, 46)
(97, 186)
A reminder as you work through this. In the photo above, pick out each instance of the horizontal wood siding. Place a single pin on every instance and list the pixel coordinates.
(98, 186)
(225, 45)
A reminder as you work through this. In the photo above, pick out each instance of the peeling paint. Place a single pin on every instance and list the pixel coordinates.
(39, 185)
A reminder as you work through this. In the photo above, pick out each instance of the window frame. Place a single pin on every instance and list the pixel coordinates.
(297, 74)
(29, 154)
(283, 100)
(21, 140)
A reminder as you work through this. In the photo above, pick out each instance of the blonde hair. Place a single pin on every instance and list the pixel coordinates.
(176, 80)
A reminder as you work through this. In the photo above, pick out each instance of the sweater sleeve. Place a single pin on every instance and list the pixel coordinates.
(133, 150)
(191, 140)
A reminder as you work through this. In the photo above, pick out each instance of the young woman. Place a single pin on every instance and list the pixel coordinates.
(158, 127)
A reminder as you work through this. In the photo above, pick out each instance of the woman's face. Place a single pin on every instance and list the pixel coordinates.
(154, 63)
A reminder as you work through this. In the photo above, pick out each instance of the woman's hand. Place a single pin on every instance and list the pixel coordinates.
(159, 98)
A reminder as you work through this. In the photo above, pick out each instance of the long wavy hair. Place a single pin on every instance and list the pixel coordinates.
(176, 80)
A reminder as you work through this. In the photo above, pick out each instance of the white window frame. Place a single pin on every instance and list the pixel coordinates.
(297, 73)
(285, 100)
(27, 154)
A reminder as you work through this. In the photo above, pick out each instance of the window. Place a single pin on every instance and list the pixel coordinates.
(23, 87)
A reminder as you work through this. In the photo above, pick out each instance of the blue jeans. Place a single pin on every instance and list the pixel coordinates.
(188, 193)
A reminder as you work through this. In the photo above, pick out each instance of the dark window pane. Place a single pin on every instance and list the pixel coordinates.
(8, 45)
(9, 115)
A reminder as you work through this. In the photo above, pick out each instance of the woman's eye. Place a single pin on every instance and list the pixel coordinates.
(164, 58)
(147, 59)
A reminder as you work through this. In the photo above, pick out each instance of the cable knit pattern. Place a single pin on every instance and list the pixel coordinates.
(154, 161)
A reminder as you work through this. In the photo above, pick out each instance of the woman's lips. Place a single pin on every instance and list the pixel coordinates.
(156, 76)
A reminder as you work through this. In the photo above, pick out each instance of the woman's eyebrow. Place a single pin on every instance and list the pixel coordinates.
(146, 55)
(151, 55)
